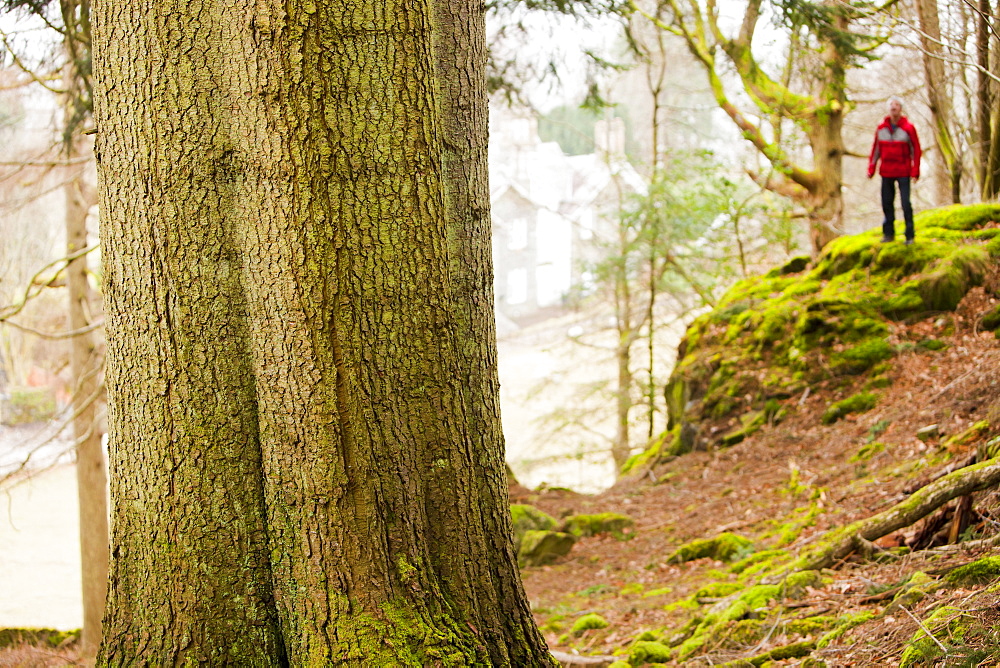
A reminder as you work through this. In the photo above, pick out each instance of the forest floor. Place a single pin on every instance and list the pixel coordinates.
(783, 487)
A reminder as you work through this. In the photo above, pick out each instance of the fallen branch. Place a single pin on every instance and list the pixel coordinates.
(577, 661)
(839, 543)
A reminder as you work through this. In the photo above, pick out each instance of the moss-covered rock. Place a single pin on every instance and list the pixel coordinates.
(978, 572)
(861, 357)
(588, 622)
(772, 335)
(592, 525)
(543, 547)
(858, 403)
(914, 590)
(753, 421)
(718, 589)
(945, 284)
(794, 650)
(742, 605)
(796, 584)
(991, 319)
(528, 518)
(724, 547)
(648, 651)
(933, 345)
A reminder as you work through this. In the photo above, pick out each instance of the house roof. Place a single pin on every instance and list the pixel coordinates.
(548, 178)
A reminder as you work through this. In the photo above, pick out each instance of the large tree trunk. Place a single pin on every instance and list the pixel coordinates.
(308, 467)
(460, 66)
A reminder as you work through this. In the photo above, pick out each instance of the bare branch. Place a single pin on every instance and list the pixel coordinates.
(36, 285)
(50, 336)
(42, 81)
(46, 163)
(14, 477)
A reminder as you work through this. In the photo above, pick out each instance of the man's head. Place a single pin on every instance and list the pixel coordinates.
(895, 105)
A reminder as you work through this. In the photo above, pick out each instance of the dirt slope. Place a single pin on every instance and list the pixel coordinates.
(782, 488)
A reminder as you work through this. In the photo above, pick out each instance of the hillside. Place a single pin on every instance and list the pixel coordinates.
(811, 400)
(820, 395)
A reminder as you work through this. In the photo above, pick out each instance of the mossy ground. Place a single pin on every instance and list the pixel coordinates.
(793, 479)
(825, 324)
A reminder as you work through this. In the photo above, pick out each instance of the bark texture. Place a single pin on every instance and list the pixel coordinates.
(302, 377)
(460, 54)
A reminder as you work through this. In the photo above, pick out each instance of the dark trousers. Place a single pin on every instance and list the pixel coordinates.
(889, 206)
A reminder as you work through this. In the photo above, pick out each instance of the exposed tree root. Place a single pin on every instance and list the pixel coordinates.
(839, 543)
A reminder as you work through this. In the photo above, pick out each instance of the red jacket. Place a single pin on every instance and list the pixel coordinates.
(898, 148)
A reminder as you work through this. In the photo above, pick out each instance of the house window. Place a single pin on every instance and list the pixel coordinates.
(517, 286)
(587, 225)
(517, 236)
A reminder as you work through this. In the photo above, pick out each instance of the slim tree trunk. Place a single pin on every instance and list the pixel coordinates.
(621, 448)
(991, 172)
(983, 106)
(85, 362)
(304, 472)
(949, 175)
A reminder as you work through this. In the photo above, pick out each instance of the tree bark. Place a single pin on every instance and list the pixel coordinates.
(460, 56)
(307, 455)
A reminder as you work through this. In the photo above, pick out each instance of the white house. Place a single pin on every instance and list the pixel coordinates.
(550, 210)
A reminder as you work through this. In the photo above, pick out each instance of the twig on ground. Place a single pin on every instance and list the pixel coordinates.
(924, 629)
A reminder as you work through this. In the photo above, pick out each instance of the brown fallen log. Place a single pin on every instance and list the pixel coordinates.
(839, 543)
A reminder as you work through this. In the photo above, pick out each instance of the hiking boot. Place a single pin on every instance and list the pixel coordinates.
(909, 242)
(886, 239)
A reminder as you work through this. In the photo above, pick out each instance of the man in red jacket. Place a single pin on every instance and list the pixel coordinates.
(897, 146)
